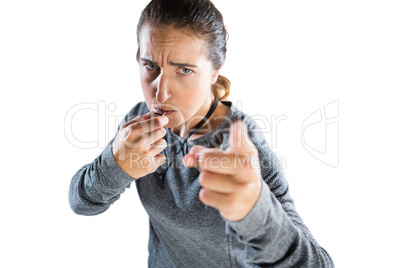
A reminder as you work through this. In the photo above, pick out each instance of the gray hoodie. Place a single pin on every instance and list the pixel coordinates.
(183, 232)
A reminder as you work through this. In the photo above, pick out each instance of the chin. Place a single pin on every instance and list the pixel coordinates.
(172, 124)
(175, 119)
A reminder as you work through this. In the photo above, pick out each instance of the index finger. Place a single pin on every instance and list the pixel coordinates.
(138, 118)
(215, 160)
(212, 159)
(149, 125)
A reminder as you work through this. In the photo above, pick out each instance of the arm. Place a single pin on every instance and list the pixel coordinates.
(273, 232)
(98, 184)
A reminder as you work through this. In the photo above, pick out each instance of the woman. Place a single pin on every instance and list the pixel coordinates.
(212, 188)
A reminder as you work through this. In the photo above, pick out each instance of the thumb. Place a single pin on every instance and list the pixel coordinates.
(239, 140)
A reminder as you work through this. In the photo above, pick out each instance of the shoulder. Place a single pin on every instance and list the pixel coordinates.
(256, 132)
(258, 126)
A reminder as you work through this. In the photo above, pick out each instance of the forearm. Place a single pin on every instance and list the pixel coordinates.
(97, 185)
(272, 238)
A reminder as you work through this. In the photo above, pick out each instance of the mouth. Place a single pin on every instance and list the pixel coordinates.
(160, 112)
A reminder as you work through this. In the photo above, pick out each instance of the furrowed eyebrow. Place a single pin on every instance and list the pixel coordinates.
(183, 64)
(178, 64)
(149, 61)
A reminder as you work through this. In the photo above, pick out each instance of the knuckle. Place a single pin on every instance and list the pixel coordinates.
(158, 122)
(234, 187)
(251, 186)
(144, 139)
(202, 180)
(142, 154)
(163, 143)
(160, 144)
(154, 123)
(160, 132)
(139, 142)
(140, 127)
(133, 128)
(203, 195)
(124, 125)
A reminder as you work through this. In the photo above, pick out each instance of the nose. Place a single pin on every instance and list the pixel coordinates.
(162, 92)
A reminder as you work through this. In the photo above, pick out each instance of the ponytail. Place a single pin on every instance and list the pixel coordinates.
(221, 88)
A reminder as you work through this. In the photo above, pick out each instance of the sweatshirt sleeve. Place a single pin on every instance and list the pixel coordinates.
(98, 184)
(273, 233)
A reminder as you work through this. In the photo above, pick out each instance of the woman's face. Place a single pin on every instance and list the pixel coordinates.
(176, 75)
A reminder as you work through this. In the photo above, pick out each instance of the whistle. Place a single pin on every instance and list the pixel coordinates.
(157, 114)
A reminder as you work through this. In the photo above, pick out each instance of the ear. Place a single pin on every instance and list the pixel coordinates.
(215, 75)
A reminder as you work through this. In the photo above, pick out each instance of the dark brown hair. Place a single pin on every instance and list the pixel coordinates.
(203, 19)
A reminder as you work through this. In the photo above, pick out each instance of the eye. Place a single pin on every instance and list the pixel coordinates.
(185, 71)
(151, 66)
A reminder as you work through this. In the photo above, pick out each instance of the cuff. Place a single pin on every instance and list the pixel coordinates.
(256, 218)
(116, 177)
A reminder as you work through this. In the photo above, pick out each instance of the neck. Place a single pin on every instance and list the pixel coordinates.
(185, 129)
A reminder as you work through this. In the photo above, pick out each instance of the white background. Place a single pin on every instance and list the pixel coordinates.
(284, 58)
